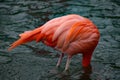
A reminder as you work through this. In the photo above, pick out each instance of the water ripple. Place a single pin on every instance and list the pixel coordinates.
(17, 16)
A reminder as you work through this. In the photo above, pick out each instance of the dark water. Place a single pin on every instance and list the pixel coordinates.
(25, 63)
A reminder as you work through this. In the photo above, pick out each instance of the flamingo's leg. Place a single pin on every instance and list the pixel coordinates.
(68, 62)
(60, 60)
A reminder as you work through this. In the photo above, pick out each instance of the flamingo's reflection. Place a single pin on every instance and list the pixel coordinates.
(82, 75)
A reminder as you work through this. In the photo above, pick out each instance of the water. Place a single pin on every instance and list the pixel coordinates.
(25, 63)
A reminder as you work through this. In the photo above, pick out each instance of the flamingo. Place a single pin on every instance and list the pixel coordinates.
(70, 34)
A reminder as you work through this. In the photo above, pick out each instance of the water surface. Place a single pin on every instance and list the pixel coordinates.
(27, 63)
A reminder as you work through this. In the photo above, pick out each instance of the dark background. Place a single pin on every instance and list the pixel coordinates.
(26, 63)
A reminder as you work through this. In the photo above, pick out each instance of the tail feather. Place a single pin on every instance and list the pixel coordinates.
(27, 36)
(16, 43)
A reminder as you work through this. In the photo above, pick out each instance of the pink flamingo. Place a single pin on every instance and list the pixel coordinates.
(71, 34)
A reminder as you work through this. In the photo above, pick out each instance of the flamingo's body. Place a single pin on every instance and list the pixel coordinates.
(71, 34)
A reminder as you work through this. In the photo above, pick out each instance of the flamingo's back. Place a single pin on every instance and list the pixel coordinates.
(81, 36)
(69, 34)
